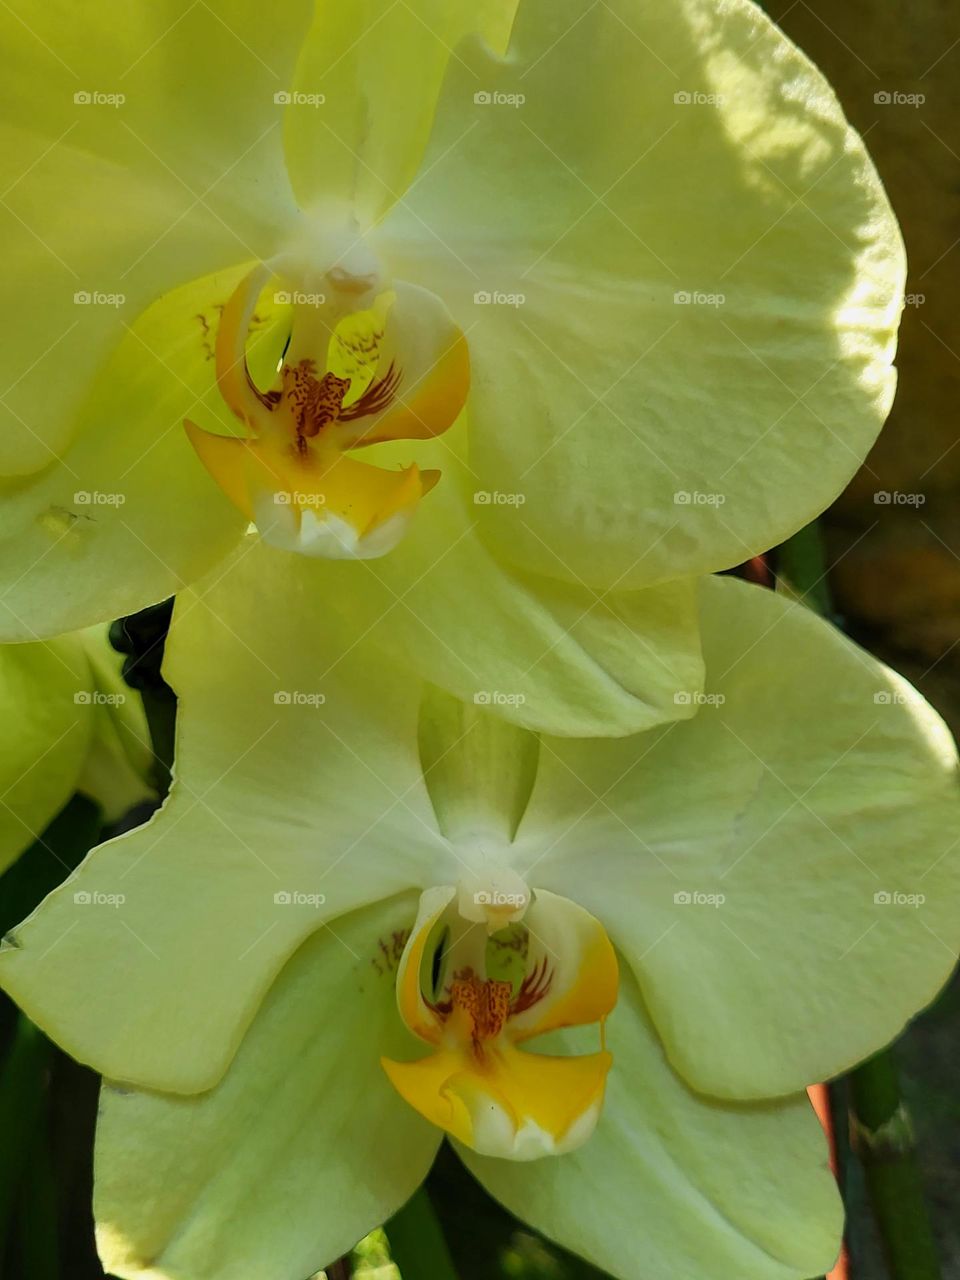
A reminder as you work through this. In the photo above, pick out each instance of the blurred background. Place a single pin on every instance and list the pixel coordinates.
(894, 568)
(891, 553)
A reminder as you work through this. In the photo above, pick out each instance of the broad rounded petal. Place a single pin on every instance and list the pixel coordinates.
(321, 1148)
(137, 155)
(781, 872)
(298, 798)
(679, 276)
(544, 654)
(695, 1188)
(365, 91)
(129, 515)
(45, 700)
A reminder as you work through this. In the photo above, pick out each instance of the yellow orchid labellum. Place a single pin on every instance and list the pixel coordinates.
(363, 365)
(479, 1084)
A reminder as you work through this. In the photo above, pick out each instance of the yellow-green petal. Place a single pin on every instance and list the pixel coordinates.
(693, 1187)
(543, 653)
(46, 704)
(137, 155)
(364, 93)
(298, 797)
(680, 279)
(781, 871)
(302, 1148)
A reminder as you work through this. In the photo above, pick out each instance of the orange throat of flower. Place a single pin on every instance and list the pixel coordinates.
(478, 1084)
(358, 370)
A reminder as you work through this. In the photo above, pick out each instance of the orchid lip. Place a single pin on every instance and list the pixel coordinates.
(496, 990)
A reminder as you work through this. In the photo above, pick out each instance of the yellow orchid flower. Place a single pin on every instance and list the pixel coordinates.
(260, 262)
(371, 917)
(69, 725)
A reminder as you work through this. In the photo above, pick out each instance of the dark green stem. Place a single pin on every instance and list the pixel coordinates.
(882, 1137)
(22, 1087)
(801, 563)
(417, 1243)
(38, 1245)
